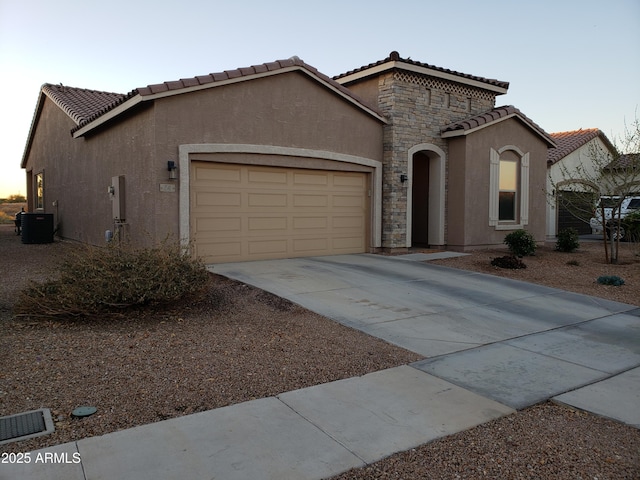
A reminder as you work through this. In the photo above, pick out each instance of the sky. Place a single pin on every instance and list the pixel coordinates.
(571, 64)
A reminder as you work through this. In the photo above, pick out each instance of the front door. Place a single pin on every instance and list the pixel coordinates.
(420, 201)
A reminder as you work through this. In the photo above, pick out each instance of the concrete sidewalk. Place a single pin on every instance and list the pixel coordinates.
(311, 433)
(491, 346)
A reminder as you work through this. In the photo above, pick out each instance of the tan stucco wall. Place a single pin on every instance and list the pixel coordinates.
(77, 172)
(283, 110)
(287, 110)
(469, 169)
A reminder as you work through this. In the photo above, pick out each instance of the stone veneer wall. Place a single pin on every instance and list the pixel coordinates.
(417, 106)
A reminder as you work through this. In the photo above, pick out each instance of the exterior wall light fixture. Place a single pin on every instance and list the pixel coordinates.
(172, 167)
(403, 178)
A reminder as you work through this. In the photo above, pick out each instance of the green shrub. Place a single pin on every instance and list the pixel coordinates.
(610, 280)
(520, 243)
(568, 240)
(508, 262)
(106, 280)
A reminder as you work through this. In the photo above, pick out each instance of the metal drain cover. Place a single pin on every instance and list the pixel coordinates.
(25, 425)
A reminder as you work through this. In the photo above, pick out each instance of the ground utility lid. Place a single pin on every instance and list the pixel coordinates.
(84, 411)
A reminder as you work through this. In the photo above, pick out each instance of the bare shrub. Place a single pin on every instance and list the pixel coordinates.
(99, 280)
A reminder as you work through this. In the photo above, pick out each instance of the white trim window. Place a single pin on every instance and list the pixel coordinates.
(39, 188)
(508, 188)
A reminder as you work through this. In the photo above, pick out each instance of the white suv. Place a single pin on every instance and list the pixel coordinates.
(629, 205)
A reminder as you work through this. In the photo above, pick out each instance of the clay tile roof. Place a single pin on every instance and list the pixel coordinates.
(80, 103)
(212, 78)
(568, 142)
(395, 57)
(491, 116)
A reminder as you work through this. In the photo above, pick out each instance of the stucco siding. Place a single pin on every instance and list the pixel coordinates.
(287, 110)
(283, 110)
(469, 172)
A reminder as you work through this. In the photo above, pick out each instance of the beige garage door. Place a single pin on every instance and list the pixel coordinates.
(245, 212)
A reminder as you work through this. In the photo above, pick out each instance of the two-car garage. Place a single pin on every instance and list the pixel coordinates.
(241, 212)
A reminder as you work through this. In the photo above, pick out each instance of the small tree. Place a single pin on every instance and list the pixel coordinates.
(604, 172)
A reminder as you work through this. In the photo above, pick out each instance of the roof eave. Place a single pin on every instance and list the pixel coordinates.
(133, 101)
(34, 121)
(464, 132)
(396, 64)
(102, 119)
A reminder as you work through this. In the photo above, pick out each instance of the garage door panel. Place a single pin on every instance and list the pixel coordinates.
(340, 201)
(262, 176)
(306, 223)
(348, 180)
(306, 179)
(304, 200)
(347, 243)
(223, 199)
(352, 222)
(214, 224)
(228, 173)
(262, 246)
(267, 223)
(229, 250)
(248, 212)
(267, 200)
(309, 246)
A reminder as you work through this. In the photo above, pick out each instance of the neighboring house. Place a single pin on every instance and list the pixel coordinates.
(279, 160)
(624, 172)
(571, 202)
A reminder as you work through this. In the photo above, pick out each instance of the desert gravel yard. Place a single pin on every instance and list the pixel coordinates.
(239, 343)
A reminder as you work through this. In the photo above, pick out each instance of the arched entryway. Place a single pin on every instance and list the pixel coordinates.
(425, 196)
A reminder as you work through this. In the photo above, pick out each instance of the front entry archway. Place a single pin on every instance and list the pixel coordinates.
(425, 196)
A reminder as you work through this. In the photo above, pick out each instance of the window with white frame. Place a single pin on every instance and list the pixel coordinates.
(509, 188)
(39, 197)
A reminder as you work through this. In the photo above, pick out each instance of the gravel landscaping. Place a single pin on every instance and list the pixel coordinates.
(240, 343)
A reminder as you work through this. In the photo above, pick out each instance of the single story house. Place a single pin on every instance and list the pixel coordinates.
(279, 160)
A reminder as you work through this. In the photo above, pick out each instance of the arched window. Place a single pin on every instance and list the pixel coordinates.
(509, 188)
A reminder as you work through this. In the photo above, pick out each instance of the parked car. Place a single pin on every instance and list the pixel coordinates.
(627, 206)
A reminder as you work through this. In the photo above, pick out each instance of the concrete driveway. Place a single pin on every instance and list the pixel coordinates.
(514, 342)
(490, 345)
